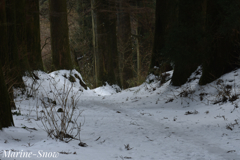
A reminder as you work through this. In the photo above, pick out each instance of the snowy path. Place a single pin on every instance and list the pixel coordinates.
(147, 122)
(152, 138)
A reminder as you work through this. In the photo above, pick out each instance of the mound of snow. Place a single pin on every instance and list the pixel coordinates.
(107, 90)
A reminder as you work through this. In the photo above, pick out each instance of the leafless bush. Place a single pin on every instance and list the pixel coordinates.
(62, 123)
(225, 92)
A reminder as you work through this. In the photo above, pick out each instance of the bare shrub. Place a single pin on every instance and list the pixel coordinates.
(225, 92)
(62, 125)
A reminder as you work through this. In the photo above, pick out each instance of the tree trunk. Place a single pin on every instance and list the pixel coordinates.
(165, 17)
(3, 28)
(223, 31)
(12, 73)
(22, 35)
(94, 30)
(33, 35)
(6, 119)
(59, 35)
(124, 43)
(106, 43)
(113, 66)
(187, 41)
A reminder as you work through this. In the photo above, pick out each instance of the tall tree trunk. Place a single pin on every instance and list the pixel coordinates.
(13, 74)
(22, 35)
(33, 35)
(113, 66)
(94, 30)
(3, 28)
(223, 26)
(124, 43)
(187, 39)
(106, 43)
(6, 119)
(59, 35)
(12, 39)
(165, 18)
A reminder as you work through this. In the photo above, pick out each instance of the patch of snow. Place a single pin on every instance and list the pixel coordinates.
(152, 121)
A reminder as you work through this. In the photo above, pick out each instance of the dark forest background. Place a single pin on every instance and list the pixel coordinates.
(116, 41)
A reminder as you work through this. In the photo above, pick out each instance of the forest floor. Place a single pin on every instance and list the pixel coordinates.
(153, 121)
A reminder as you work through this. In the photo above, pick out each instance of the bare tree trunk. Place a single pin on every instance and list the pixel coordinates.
(21, 35)
(6, 119)
(33, 35)
(223, 54)
(94, 41)
(165, 17)
(124, 43)
(106, 43)
(3, 28)
(59, 35)
(13, 72)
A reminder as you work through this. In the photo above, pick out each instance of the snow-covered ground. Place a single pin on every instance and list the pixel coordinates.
(150, 122)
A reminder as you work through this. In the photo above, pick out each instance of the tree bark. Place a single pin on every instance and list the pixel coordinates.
(3, 28)
(223, 52)
(187, 39)
(6, 119)
(33, 35)
(106, 44)
(165, 18)
(22, 35)
(124, 43)
(59, 35)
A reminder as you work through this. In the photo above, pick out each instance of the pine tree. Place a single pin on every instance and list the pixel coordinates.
(59, 35)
